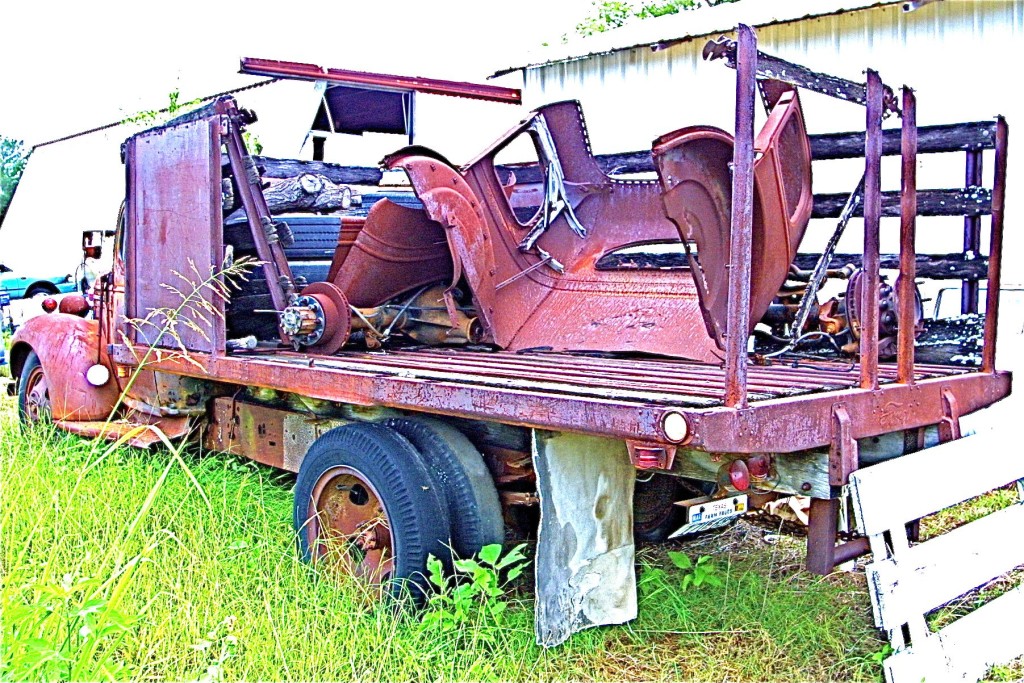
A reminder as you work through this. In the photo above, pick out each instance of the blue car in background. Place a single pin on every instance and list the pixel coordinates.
(17, 285)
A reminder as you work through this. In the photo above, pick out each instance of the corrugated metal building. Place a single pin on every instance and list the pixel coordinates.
(648, 78)
(960, 56)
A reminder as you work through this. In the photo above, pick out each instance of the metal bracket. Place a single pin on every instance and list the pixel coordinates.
(949, 425)
(769, 66)
(842, 454)
(651, 456)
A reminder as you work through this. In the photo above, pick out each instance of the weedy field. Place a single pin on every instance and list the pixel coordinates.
(180, 565)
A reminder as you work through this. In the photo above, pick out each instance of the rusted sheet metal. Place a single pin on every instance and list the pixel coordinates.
(697, 170)
(351, 226)
(275, 437)
(433, 86)
(174, 232)
(534, 280)
(398, 249)
(67, 347)
(140, 434)
(524, 395)
(529, 249)
(807, 419)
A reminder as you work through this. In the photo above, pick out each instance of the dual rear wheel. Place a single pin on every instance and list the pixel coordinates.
(377, 499)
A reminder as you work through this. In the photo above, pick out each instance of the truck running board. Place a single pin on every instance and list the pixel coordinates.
(140, 434)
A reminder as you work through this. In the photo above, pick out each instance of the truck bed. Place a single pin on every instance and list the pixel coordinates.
(659, 381)
(790, 407)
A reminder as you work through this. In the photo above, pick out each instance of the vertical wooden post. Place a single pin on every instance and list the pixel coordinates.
(872, 218)
(738, 322)
(908, 228)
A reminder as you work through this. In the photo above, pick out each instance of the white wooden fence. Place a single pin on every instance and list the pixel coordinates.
(906, 582)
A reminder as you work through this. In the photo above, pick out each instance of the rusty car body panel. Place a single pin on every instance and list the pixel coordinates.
(694, 167)
(67, 346)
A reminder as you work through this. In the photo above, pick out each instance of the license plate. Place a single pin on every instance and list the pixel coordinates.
(703, 514)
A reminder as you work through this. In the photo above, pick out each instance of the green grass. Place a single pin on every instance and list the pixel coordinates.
(182, 579)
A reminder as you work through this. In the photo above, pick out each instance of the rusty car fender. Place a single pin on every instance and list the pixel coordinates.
(67, 347)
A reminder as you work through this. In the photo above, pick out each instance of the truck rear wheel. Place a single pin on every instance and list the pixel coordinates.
(33, 392)
(473, 505)
(655, 513)
(365, 502)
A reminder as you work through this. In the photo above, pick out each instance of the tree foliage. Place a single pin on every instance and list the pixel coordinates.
(13, 157)
(609, 14)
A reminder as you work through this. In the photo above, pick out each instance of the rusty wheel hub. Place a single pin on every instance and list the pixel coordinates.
(349, 525)
(37, 396)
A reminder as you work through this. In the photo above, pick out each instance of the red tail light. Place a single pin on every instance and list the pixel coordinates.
(739, 475)
(760, 466)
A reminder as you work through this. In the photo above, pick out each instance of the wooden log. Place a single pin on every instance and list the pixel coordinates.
(288, 168)
(968, 201)
(942, 138)
(933, 266)
(945, 138)
(306, 192)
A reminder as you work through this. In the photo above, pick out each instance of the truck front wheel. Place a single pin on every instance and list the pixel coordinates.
(366, 504)
(33, 392)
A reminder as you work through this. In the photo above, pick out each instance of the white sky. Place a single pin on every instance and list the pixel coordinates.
(69, 66)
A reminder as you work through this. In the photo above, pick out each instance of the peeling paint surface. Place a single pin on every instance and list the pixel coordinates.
(585, 553)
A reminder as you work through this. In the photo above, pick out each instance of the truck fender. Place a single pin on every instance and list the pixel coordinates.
(67, 347)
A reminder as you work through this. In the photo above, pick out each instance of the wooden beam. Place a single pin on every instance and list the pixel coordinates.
(972, 201)
(934, 266)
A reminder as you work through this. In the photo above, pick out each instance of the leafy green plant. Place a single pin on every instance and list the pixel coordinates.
(611, 14)
(475, 595)
(881, 655)
(696, 574)
(152, 117)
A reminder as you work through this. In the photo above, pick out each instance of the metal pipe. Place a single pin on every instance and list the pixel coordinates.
(872, 217)
(858, 547)
(908, 254)
(995, 250)
(738, 323)
(821, 535)
(972, 232)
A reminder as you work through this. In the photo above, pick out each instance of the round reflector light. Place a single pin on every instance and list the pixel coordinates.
(674, 425)
(97, 375)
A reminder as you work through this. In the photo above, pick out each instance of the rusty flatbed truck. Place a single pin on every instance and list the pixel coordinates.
(528, 374)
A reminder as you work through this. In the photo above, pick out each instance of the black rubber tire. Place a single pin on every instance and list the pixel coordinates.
(40, 288)
(32, 362)
(412, 500)
(473, 505)
(655, 514)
